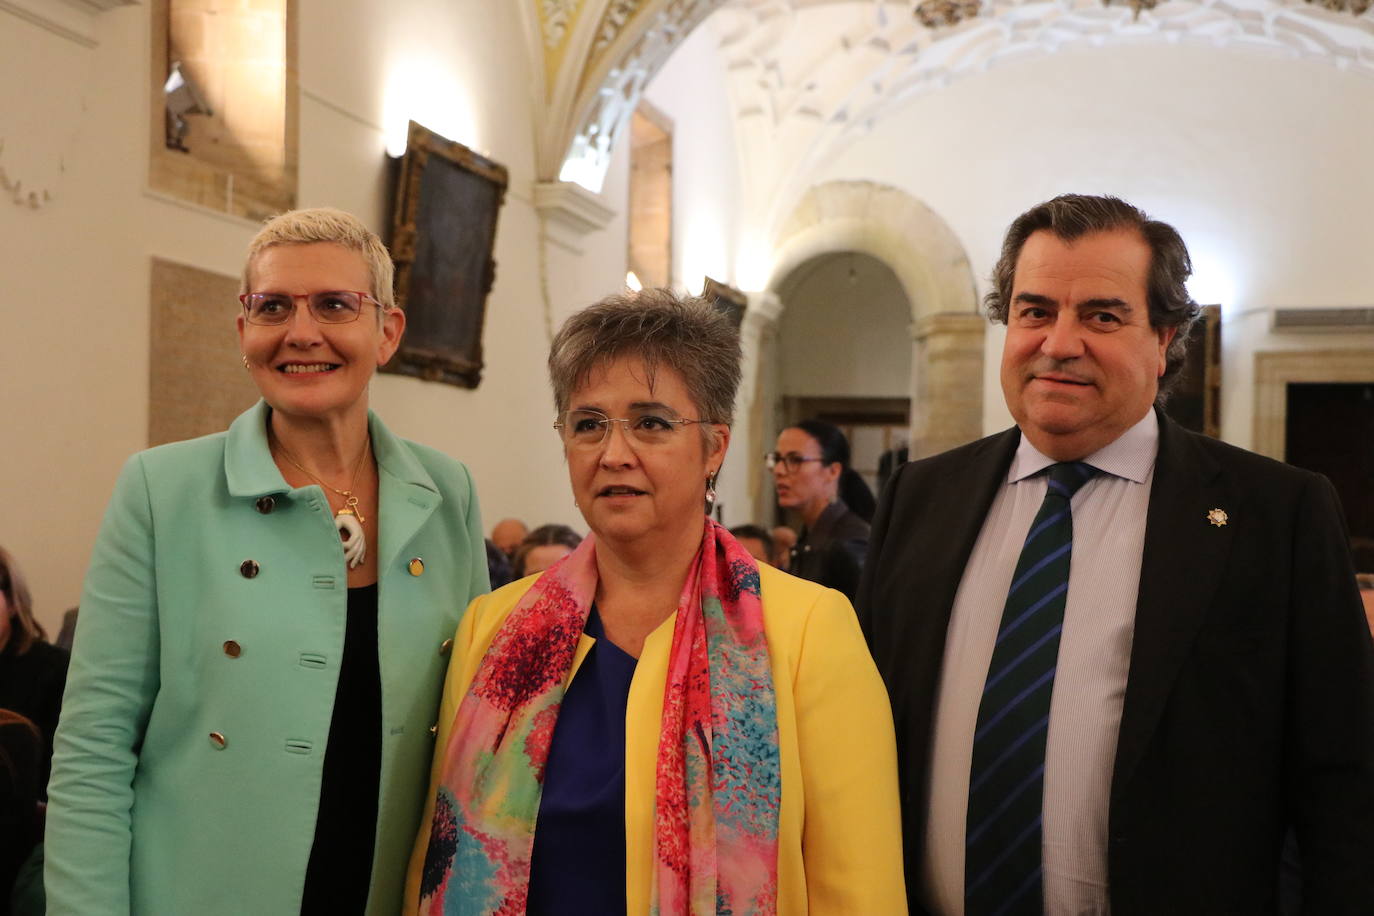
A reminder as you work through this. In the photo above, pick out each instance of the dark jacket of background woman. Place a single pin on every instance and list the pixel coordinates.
(31, 684)
(831, 552)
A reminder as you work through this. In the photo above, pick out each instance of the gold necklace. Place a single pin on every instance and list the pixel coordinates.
(348, 520)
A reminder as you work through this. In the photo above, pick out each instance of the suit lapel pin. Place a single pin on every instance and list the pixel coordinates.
(1217, 517)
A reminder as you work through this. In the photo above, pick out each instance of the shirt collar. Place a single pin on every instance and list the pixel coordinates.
(1130, 455)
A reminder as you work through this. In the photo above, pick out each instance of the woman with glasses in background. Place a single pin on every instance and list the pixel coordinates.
(810, 469)
(259, 654)
(658, 723)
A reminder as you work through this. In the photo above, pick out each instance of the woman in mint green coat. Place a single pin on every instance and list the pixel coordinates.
(247, 721)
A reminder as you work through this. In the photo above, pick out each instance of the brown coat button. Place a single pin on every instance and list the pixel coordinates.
(417, 566)
(232, 649)
(266, 504)
(446, 647)
(249, 568)
(218, 740)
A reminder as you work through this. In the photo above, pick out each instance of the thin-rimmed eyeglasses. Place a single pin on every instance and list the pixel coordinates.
(584, 428)
(339, 306)
(791, 461)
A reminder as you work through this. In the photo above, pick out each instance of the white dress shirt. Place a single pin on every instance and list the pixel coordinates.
(1090, 680)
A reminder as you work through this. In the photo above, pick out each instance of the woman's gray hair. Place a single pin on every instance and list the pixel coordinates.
(661, 328)
(325, 224)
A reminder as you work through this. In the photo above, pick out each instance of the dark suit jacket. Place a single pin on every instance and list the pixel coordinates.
(1250, 701)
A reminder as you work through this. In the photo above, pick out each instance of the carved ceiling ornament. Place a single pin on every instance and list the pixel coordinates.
(936, 13)
(1135, 6)
(618, 12)
(554, 18)
(807, 78)
(827, 70)
(828, 65)
(1354, 7)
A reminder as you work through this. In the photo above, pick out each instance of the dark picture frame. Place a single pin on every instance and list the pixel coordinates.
(726, 299)
(443, 234)
(1196, 401)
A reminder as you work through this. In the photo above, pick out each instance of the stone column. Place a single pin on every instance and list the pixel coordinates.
(947, 381)
(754, 407)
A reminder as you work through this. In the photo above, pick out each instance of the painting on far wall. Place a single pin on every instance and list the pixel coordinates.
(726, 299)
(443, 235)
(1196, 401)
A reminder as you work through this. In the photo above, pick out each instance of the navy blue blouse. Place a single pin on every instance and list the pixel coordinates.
(578, 863)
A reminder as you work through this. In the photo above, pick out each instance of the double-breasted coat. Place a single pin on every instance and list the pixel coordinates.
(189, 754)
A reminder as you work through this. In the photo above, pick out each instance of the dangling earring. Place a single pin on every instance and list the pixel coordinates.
(245, 362)
(711, 489)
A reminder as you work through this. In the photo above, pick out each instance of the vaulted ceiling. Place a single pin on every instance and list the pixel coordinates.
(807, 74)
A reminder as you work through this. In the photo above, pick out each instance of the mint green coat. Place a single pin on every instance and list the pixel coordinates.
(147, 814)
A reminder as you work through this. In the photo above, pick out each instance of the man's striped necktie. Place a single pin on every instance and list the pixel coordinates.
(1003, 857)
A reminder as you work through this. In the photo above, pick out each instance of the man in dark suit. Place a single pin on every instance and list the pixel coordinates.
(1123, 658)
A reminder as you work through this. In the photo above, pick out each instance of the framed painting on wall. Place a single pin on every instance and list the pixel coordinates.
(443, 236)
(1196, 401)
(727, 299)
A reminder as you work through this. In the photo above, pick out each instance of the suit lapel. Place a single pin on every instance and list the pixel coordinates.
(963, 498)
(941, 522)
(1179, 572)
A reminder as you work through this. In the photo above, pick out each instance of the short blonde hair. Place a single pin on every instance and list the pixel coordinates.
(25, 630)
(326, 224)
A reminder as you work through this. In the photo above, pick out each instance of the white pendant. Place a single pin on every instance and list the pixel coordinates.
(354, 541)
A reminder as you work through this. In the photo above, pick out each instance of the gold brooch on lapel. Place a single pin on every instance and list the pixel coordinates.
(1217, 517)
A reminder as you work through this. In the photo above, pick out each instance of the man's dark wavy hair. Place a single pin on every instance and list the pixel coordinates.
(1072, 216)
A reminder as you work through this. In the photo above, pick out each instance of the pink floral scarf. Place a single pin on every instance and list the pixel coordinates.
(718, 774)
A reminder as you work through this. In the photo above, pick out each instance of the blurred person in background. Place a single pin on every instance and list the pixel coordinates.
(784, 539)
(21, 811)
(32, 672)
(543, 547)
(809, 463)
(498, 565)
(507, 535)
(756, 540)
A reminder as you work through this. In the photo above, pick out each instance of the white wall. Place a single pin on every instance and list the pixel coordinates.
(1261, 162)
(691, 90)
(862, 296)
(75, 310)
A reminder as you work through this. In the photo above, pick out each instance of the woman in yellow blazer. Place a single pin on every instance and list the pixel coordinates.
(690, 731)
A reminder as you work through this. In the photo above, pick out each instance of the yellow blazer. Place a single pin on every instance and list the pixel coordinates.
(840, 841)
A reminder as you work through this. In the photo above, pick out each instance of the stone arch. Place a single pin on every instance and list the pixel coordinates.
(892, 226)
(947, 329)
